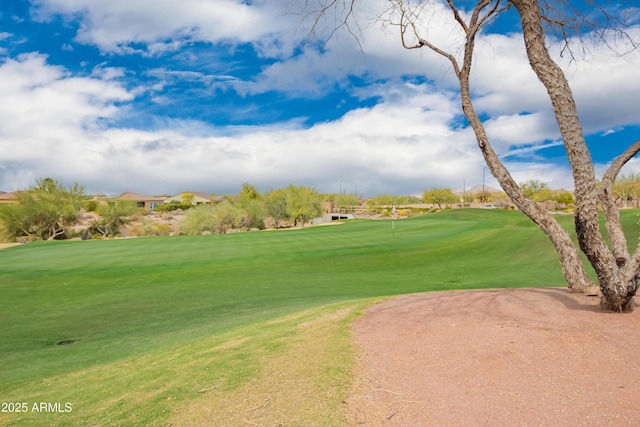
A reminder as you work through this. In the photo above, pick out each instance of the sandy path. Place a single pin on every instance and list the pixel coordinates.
(523, 357)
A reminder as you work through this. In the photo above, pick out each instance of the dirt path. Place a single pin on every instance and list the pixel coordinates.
(523, 357)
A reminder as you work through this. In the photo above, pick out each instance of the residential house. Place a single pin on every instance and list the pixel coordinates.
(149, 203)
(8, 198)
(191, 197)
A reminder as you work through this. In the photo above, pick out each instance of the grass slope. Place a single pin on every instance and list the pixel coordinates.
(159, 328)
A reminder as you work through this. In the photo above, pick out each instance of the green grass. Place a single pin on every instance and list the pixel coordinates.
(140, 311)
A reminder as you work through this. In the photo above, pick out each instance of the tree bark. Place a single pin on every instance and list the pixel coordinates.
(572, 267)
(618, 285)
(614, 227)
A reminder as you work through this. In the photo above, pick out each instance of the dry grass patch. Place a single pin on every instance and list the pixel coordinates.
(8, 245)
(303, 382)
(294, 370)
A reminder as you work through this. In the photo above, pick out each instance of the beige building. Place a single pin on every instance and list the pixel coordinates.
(8, 198)
(190, 197)
(149, 203)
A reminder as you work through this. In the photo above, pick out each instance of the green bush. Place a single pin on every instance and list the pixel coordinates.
(91, 205)
(198, 220)
(148, 227)
(168, 207)
(228, 216)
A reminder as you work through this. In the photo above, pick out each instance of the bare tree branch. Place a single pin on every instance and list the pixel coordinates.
(457, 16)
(322, 11)
(600, 20)
(613, 223)
(618, 163)
(493, 13)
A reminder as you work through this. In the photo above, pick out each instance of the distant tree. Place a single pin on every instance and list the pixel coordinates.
(251, 201)
(187, 198)
(275, 206)
(383, 200)
(344, 201)
(13, 223)
(563, 197)
(440, 196)
(392, 199)
(254, 214)
(303, 203)
(113, 215)
(228, 217)
(198, 220)
(43, 210)
(499, 197)
(536, 190)
(249, 192)
(481, 196)
(467, 197)
(626, 187)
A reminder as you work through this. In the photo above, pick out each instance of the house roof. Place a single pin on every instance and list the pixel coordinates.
(138, 197)
(206, 196)
(203, 195)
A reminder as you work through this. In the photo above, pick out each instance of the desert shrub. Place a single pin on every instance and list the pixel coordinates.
(168, 207)
(199, 220)
(91, 205)
(113, 216)
(44, 210)
(254, 215)
(228, 217)
(147, 227)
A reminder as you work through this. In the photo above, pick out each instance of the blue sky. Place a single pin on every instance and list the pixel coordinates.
(164, 96)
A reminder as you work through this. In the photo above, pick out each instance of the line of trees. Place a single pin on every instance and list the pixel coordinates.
(534, 189)
(48, 209)
(251, 209)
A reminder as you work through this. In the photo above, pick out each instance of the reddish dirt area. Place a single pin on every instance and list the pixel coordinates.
(510, 357)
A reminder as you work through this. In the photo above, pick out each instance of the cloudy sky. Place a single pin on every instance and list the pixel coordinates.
(164, 96)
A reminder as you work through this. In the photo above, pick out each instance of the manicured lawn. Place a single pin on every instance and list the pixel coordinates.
(132, 331)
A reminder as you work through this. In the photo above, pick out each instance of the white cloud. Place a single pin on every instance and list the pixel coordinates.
(521, 129)
(39, 98)
(412, 140)
(403, 144)
(45, 113)
(531, 151)
(160, 25)
(553, 175)
(408, 142)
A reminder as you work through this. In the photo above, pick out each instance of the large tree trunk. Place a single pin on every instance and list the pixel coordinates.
(572, 267)
(618, 285)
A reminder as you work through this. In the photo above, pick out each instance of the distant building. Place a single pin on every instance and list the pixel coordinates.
(8, 198)
(149, 203)
(196, 198)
